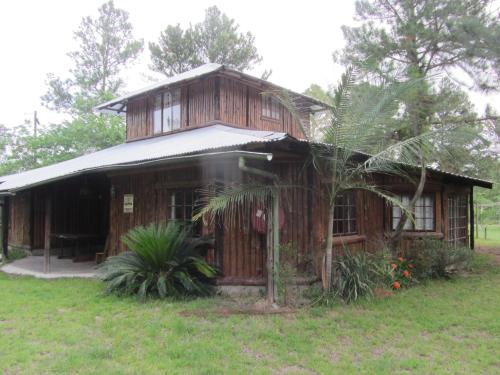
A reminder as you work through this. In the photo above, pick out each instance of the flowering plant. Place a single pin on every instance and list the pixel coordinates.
(401, 273)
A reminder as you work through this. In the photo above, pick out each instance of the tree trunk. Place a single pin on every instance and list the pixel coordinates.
(329, 248)
(395, 238)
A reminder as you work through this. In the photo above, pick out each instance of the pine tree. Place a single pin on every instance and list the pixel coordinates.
(217, 39)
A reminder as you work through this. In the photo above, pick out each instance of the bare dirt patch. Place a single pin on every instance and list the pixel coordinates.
(249, 310)
(296, 370)
(230, 306)
(494, 252)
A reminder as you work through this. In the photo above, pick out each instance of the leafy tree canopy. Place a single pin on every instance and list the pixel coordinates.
(217, 39)
(59, 142)
(106, 46)
(440, 44)
(423, 37)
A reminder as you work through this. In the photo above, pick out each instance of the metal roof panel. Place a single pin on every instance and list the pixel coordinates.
(172, 145)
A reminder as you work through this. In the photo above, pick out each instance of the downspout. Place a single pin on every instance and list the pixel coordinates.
(273, 257)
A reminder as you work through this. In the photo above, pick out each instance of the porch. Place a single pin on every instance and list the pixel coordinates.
(59, 268)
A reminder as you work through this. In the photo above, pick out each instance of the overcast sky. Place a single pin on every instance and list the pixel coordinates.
(296, 40)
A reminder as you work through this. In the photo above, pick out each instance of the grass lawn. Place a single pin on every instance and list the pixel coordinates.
(492, 236)
(70, 327)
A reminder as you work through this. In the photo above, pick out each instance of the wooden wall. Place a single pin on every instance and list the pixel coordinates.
(243, 249)
(208, 100)
(19, 220)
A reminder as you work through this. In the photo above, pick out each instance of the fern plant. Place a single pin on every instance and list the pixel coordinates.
(161, 262)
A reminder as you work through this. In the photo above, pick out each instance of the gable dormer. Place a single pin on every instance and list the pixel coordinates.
(204, 96)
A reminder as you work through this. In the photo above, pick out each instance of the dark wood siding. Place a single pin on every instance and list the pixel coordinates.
(208, 100)
(243, 250)
(139, 118)
(20, 220)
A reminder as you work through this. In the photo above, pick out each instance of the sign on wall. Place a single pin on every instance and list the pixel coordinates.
(128, 203)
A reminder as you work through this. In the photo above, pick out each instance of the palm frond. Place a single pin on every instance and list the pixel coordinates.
(229, 200)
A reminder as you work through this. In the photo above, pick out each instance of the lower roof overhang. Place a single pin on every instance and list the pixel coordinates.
(148, 163)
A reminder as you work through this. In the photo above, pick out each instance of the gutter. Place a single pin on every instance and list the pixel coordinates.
(162, 161)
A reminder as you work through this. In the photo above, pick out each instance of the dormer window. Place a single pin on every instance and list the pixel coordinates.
(270, 107)
(167, 111)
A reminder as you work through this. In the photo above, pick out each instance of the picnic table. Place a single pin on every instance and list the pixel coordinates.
(76, 240)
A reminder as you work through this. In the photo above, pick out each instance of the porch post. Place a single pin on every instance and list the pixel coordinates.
(46, 248)
(471, 219)
(276, 243)
(269, 260)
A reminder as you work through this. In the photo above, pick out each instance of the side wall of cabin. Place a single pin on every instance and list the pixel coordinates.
(240, 249)
(208, 100)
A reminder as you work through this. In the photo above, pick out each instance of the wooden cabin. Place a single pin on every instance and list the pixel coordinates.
(189, 132)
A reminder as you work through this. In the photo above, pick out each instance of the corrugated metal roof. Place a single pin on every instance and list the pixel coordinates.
(189, 142)
(183, 143)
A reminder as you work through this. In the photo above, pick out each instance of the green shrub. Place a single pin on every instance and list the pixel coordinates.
(161, 262)
(355, 275)
(435, 259)
(16, 253)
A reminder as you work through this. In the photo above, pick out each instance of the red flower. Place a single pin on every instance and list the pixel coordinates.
(394, 266)
(401, 259)
(410, 265)
(406, 273)
(396, 285)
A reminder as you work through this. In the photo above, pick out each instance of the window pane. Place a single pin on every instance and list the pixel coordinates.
(157, 115)
(429, 224)
(345, 214)
(419, 223)
(167, 112)
(270, 107)
(423, 213)
(179, 212)
(408, 225)
(176, 109)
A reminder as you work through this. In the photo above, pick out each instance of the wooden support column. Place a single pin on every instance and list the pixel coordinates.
(471, 219)
(276, 244)
(46, 248)
(269, 260)
(5, 226)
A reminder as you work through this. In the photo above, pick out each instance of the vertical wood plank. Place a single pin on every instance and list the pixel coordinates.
(46, 248)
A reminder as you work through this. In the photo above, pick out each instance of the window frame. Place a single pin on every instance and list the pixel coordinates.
(410, 226)
(174, 107)
(270, 108)
(347, 202)
(172, 207)
(460, 202)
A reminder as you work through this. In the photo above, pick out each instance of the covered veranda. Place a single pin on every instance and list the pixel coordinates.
(59, 268)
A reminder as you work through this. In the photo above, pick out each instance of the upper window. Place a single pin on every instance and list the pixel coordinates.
(270, 107)
(457, 219)
(344, 218)
(167, 111)
(423, 213)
